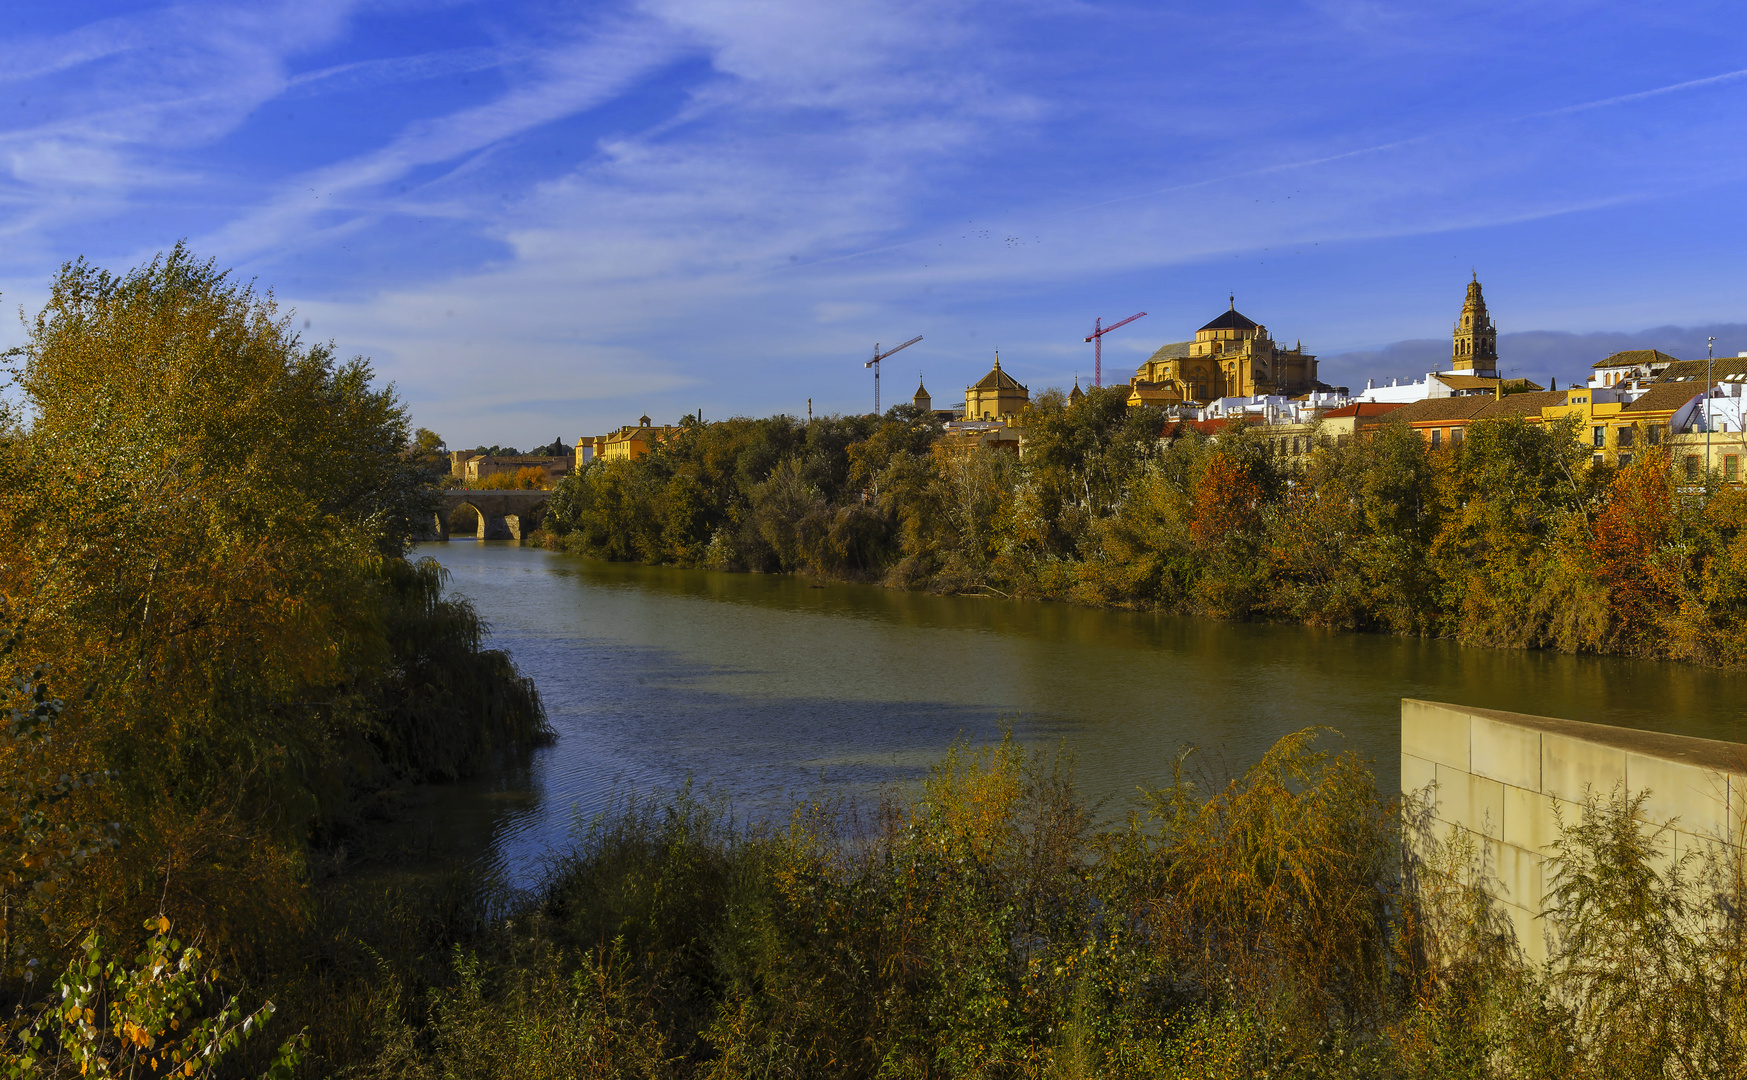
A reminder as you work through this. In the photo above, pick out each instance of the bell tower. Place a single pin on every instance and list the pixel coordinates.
(1474, 346)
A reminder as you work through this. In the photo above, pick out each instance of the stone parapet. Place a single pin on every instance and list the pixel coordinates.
(1508, 779)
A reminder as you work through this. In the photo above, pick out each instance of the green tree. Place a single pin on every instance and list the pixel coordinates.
(207, 527)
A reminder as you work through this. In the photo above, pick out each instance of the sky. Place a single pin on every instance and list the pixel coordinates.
(546, 219)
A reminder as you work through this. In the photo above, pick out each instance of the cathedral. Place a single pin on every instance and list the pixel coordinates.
(1232, 356)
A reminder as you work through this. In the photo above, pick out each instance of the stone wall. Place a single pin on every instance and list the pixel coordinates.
(1507, 778)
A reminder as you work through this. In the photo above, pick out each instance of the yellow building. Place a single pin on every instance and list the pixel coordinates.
(631, 441)
(996, 396)
(1232, 356)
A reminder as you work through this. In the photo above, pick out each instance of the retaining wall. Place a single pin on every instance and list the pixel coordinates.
(1507, 777)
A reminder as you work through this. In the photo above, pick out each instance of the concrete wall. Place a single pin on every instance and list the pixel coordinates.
(1501, 776)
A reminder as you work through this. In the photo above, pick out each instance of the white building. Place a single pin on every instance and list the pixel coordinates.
(1273, 408)
(1436, 384)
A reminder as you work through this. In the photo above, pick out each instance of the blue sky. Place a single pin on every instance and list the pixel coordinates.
(545, 219)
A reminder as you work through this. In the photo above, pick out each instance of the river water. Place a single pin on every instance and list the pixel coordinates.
(759, 688)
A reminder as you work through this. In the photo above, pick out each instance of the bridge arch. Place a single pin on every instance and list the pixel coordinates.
(502, 515)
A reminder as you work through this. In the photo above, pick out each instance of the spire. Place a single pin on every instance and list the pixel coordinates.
(1234, 301)
(1474, 345)
(997, 359)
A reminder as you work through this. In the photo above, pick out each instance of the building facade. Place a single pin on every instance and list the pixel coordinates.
(1232, 356)
(472, 467)
(996, 396)
(625, 444)
(1631, 368)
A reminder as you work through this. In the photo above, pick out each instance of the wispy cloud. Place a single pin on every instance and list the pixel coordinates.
(723, 199)
(558, 82)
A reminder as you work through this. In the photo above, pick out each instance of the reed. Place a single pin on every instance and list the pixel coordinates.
(979, 926)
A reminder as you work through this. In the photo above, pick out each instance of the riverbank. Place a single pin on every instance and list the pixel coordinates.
(763, 689)
(983, 926)
(1511, 539)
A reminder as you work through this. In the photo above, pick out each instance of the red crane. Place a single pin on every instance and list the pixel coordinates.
(1097, 339)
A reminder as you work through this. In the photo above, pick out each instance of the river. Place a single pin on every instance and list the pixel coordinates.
(761, 687)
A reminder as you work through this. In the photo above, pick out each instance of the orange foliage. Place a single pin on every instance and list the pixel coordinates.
(529, 479)
(1227, 501)
(1631, 531)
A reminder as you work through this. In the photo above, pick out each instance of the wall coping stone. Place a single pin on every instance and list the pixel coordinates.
(1713, 754)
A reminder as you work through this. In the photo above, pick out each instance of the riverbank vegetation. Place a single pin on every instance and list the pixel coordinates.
(1509, 539)
(218, 654)
(982, 925)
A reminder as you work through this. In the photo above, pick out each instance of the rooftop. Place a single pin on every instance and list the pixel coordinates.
(1631, 357)
(1666, 397)
(1364, 408)
(1699, 370)
(1529, 404)
(1230, 320)
(997, 379)
(1446, 408)
(1176, 350)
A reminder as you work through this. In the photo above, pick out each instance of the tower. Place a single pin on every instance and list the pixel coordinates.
(923, 402)
(1474, 345)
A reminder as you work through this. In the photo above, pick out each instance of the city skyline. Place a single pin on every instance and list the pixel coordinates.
(543, 223)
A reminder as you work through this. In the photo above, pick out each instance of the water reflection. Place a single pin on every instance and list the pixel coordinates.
(762, 686)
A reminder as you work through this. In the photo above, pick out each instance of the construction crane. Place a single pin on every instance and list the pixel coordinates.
(875, 364)
(1097, 338)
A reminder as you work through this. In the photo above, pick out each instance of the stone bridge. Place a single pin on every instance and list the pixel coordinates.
(503, 515)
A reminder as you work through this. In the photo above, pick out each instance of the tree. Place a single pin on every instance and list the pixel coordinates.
(206, 514)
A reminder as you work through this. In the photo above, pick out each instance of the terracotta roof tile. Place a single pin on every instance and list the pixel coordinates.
(1364, 408)
(1529, 404)
(1694, 371)
(1666, 397)
(1636, 356)
(1466, 382)
(1430, 409)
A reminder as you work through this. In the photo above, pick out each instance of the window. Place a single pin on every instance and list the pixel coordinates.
(1437, 438)
(1731, 468)
(1654, 431)
(1295, 444)
(1341, 440)
(1624, 436)
(1692, 466)
(1455, 437)
(1599, 435)
(1595, 460)
(1625, 459)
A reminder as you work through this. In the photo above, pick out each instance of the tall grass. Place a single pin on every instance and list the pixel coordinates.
(980, 926)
